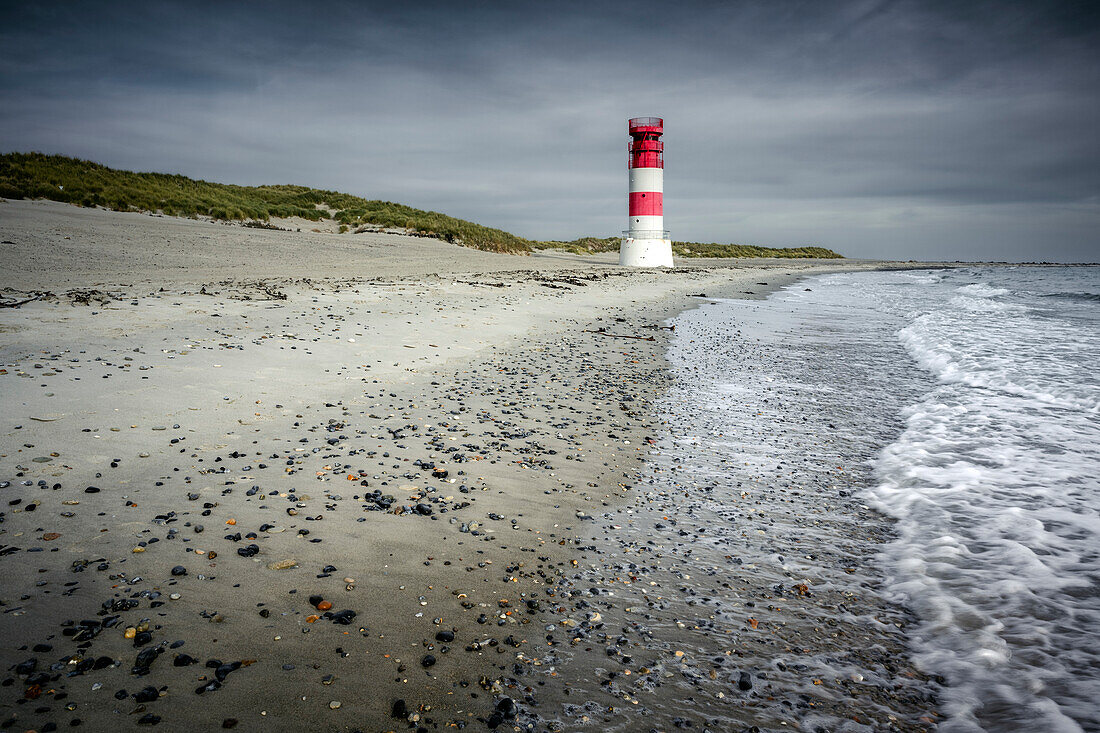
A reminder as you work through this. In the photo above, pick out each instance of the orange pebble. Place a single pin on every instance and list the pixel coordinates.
(231, 521)
(324, 606)
(312, 619)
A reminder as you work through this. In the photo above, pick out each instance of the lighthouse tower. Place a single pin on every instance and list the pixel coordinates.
(646, 243)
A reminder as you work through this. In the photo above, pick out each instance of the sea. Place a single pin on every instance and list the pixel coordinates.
(974, 406)
(871, 502)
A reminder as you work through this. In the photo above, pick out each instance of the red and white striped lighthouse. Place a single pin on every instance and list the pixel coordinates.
(645, 242)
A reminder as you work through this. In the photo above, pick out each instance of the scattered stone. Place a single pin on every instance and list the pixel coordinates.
(283, 564)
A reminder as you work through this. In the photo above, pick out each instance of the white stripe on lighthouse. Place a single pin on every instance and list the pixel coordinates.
(648, 224)
(647, 179)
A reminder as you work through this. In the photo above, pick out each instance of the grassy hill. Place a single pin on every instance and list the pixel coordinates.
(84, 183)
(81, 182)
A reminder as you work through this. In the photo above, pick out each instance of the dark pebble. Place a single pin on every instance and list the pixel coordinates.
(223, 671)
(507, 708)
(146, 694)
(343, 618)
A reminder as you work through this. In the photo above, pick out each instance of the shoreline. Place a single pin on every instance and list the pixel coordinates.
(657, 625)
(481, 403)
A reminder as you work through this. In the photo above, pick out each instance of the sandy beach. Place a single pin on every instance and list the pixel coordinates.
(274, 481)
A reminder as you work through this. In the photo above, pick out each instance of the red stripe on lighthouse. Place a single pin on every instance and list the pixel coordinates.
(647, 203)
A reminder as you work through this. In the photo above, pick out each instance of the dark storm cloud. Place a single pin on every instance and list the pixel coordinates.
(907, 129)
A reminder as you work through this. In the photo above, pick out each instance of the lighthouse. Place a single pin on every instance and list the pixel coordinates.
(645, 242)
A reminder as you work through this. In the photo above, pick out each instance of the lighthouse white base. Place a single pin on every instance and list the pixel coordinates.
(645, 252)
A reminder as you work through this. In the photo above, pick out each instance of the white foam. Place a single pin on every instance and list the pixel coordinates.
(995, 485)
(983, 290)
(994, 475)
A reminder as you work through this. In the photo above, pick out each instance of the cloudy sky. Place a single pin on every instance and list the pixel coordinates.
(923, 130)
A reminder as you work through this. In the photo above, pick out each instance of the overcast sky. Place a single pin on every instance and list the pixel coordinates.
(924, 130)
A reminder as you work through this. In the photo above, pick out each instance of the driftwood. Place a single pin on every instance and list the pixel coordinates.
(601, 332)
(17, 303)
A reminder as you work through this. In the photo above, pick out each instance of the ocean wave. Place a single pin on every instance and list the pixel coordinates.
(996, 555)
(1014, 355)
(982, 290)
(984, 304)
(1071, 296)
(994, 485)
(993, 481)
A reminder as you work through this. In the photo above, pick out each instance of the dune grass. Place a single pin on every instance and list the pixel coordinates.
(698, 249)
(592, 245)
(84, 183)
(582, 246)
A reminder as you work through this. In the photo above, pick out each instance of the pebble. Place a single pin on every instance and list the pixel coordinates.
(216, 483)
(249, 551)
(283, 564)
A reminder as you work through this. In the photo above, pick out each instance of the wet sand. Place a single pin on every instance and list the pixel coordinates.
(210, 434)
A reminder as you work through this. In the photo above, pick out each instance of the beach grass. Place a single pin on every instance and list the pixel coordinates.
(592, 245)
(84, 183)
(698, 249)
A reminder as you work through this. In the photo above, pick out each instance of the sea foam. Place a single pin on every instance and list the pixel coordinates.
(995, 485)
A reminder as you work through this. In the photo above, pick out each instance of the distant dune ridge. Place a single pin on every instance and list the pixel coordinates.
(84, 183)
